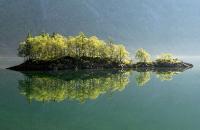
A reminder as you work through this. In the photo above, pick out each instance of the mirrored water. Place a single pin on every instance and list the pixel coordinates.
(100, 100)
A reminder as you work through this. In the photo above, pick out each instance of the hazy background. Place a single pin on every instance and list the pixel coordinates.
(156, 25)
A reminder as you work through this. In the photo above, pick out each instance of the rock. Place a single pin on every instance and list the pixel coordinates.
(158, 66)
(95, 63)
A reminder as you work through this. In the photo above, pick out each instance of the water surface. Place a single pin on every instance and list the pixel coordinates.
(102, 100)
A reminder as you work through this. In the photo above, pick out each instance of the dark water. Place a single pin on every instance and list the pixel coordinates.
(103, 100)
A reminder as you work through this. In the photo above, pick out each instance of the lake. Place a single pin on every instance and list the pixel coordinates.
(99, 100)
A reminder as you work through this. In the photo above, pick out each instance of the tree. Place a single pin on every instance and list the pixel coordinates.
(122, 54)
(46, 47)
(142, 55)
(167, 57)
(22, 50)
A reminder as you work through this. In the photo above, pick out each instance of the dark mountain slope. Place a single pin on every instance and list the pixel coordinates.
(155, 25)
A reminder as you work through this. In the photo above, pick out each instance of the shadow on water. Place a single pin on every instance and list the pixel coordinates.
(83, 85)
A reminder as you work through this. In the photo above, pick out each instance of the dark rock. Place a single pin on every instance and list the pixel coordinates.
(95, 63)
(161, 66)
(67, 63)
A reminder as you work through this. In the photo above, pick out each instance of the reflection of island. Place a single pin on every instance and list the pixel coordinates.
(82, 85)
(166, 75)
(145, 76)
(79, 86)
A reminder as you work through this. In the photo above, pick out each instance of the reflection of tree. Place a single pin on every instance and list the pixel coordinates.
(142, 78)
(49, 87)
(166, 75)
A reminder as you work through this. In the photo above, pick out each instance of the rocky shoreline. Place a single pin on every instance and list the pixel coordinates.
(85, 63)
(156, 66)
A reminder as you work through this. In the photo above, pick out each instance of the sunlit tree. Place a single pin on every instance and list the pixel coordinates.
(167, 57)
(46, 47)
(142, 55)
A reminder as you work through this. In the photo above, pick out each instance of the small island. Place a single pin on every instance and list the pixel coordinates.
(58, 52)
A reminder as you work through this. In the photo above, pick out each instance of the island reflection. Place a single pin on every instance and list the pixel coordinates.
(142, 78)
(79, 86)
(82, 85)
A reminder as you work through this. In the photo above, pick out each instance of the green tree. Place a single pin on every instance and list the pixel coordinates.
(142, 55)
(46, 47)
(123, 54)
(167, 57)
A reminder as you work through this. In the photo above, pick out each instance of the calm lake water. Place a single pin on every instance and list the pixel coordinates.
(103, 100)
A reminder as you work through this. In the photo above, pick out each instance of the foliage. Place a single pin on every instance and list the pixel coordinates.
(142, 55)
(167, 58)
(49, 47)
(46, 47)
